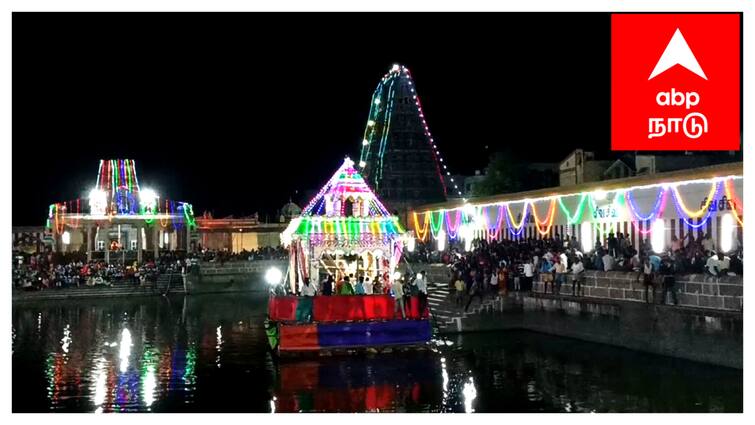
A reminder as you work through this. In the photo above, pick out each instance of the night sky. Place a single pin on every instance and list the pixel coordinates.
(236, 112)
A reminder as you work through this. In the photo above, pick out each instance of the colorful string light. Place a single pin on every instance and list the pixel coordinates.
(421, 231)
(660, 201)
(624, 200)
(699, 213)
(369, 221)
(681, 210)
(375, 137)
(548, 219)
(734, 199)
(453, 230)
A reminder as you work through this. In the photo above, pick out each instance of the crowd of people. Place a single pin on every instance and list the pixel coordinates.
(408, 286)
(262, 253)
(61, 270)
(55, 270)
(496, 267)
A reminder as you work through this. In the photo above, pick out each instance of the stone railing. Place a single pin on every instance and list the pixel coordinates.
(696, 290)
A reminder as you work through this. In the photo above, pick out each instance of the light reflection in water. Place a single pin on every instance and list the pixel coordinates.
(165, 364)
(66, 341)
(444, 372)
(149, 377)
(470, 393)
(189, 376)
(100, 386)
(125, 352)
(148, 386)
(218, 344)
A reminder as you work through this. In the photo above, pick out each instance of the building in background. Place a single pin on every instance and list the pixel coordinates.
(233, 234)
(582, 166)
(117, 220)
(650, 208)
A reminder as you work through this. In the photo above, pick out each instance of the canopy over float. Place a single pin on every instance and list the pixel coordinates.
(344, 229)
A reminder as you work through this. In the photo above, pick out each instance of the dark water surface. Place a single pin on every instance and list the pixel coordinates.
(208, 353)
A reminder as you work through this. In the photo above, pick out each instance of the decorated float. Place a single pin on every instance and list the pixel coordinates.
(345, 232)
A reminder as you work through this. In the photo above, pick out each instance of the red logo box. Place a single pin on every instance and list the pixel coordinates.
(675, 82)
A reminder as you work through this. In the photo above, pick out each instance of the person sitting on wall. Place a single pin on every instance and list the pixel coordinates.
(724, 263)
(713, 266)
(608, 262)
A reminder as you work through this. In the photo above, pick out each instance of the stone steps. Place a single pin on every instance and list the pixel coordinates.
(115, 290)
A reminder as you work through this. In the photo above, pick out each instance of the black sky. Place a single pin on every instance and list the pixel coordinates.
(235, 112)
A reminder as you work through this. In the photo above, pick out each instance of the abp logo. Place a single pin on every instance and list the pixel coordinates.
(675, 82)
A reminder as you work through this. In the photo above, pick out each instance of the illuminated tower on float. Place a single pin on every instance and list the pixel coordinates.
(399, 158)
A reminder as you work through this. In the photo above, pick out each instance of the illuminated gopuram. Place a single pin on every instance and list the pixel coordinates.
(118, 219)
(399, 157)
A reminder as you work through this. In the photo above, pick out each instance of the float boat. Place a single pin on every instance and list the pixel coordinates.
(343, 233)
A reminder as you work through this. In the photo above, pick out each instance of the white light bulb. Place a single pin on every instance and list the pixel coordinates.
(365, 142)
(377, 101)
(658, 235)
(362, 164)
(370, 123)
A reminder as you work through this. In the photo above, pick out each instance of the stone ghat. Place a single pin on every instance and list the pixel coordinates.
(240, 267)
(695, 290)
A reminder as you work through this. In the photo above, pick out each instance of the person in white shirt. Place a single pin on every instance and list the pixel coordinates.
(494, 283)
(367, 286)
(712, 266)
(560, 271)
(608, 262)
(308, 289)
(529, 273)
(422, 292)
(398, 298)
(578, 276)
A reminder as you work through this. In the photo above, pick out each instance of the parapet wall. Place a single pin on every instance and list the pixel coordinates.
(232, 276)
(695, 290)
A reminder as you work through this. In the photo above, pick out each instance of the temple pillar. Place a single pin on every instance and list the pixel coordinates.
(107, 249)
(139, 243)
(188, 238)
(155, 242)
(89, 242)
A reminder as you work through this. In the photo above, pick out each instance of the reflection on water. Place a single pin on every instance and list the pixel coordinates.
(209, 354)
